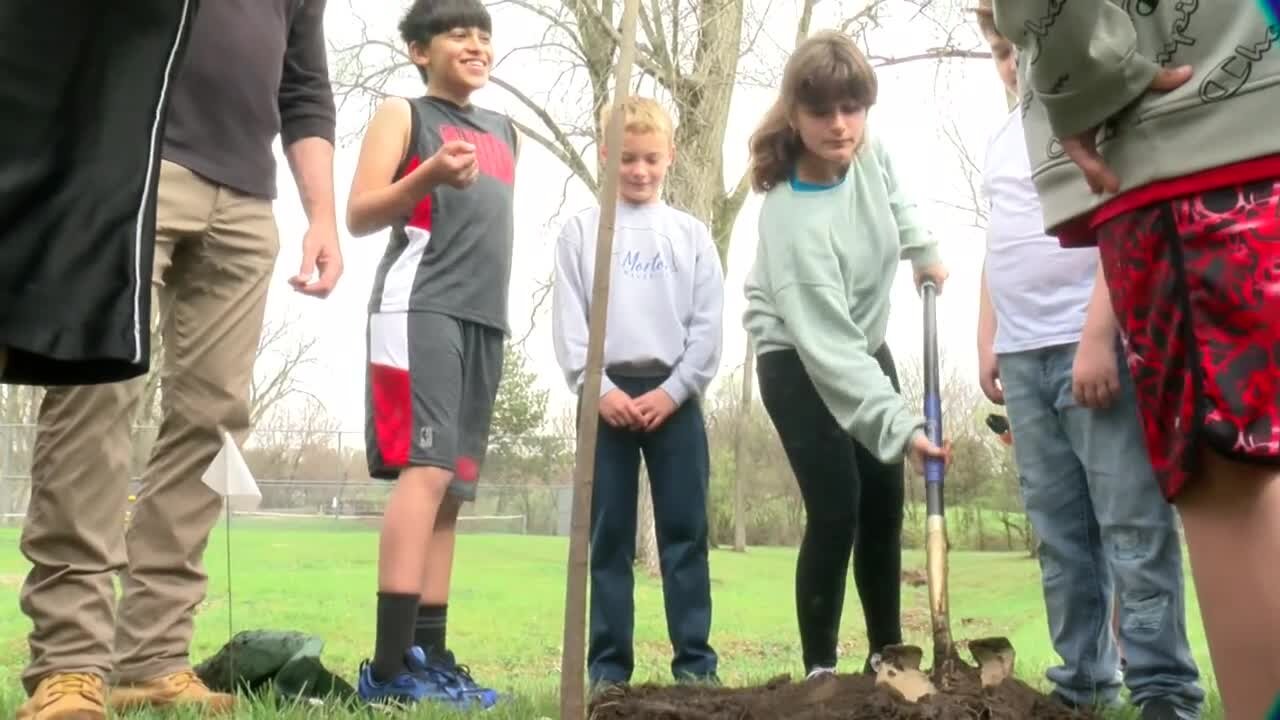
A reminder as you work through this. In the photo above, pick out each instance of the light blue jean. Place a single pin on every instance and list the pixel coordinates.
(1105, 532)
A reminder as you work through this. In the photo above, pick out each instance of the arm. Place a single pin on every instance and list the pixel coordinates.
(308, 125)
(1082, 58)
(311, 161)
(1095, 372)
(988, 363)
(701, 358)
(1100, 319)
(306, 96)
(377, 199)
(917, 244)
(811, 300)
(571, 309)
(986, 316)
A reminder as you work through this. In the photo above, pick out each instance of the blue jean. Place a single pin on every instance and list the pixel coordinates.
(679, 465)
(1105, 532)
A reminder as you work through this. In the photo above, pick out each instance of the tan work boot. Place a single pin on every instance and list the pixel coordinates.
(66, 696)
(182, 688)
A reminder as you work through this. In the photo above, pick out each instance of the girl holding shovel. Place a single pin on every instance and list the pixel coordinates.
(834, 225)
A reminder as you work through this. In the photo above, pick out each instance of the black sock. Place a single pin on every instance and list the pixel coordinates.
(429, 632)
(396, 615)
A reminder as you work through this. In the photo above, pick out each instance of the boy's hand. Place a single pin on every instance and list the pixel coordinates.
(936, 272)
(619, 410)
(919, 447)
(1095, 379)
(655, 407)
(1083, 148)
(454, 164)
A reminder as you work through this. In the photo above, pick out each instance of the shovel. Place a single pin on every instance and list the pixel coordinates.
(899, 666)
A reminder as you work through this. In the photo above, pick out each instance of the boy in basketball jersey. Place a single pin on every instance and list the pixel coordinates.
(439, 172)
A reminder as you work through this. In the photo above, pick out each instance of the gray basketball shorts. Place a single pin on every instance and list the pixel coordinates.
(429, 393)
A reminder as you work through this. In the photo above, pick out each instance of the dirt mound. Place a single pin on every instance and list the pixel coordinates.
(843, 697)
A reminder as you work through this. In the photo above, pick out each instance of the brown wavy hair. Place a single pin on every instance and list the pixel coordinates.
(826, 69)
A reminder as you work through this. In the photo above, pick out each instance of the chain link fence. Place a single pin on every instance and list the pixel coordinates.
(308, 475)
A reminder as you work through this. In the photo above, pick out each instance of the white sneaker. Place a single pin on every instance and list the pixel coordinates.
(820, 672)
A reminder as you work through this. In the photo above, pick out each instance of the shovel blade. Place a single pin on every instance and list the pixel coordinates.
(899, 670)
(995, 657)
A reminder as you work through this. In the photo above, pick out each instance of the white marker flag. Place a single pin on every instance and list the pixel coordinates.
(229, 476)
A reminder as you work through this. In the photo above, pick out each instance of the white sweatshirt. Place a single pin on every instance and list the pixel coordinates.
(666, 297)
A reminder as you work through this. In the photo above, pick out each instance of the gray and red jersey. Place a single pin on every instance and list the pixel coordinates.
(452, 255)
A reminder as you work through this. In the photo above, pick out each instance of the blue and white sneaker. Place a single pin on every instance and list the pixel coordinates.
(453, 680)
(404, 689)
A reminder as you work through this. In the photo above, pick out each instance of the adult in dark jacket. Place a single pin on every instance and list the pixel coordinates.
(254, 69)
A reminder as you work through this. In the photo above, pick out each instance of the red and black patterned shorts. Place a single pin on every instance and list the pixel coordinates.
(1195, 283)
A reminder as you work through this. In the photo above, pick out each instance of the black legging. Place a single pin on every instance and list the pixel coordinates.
(853, 503)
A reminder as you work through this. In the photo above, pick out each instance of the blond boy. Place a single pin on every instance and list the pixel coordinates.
(662, 350)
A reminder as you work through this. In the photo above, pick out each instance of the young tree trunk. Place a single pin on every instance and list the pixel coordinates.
(573, 644)
(646, 534)
(740, 453)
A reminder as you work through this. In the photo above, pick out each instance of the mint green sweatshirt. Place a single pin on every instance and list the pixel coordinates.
(823, 272)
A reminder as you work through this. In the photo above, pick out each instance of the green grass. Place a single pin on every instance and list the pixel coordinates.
(507, 608)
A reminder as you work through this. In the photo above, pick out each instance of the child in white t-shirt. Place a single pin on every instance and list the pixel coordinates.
(1049, 351)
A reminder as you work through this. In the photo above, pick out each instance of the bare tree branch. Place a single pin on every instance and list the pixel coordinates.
(562, 147)
(267, 391)
(646, 56)
(806, 19)
(932, 54)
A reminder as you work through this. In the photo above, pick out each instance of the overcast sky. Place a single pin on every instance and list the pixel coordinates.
(916, 102)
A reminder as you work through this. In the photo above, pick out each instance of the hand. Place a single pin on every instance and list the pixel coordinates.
(919, 448)
(454, 164)
(989, 375)
(619, 410)
(936, 272)
(320, 250)
(1095, 379)
(655, 407)
(1083, 148)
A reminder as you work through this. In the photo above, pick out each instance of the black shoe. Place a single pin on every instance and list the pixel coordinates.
(1159, 710)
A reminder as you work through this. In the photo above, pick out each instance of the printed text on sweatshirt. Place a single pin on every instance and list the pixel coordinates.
(666, 297)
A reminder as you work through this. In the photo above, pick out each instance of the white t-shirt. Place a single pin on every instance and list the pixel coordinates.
(1039, 289)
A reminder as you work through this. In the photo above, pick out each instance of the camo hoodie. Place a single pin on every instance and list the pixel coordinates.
(1088, 63)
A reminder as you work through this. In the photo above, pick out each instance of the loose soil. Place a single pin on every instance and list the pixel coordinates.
(842, 697)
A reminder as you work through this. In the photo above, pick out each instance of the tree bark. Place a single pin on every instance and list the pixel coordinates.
(740, 453)
(646, 533)
(573, 646)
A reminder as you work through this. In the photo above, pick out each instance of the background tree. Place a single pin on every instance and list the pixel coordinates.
(692, 54)
(278, 359)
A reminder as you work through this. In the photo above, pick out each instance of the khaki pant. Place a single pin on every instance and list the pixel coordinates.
(215, 252)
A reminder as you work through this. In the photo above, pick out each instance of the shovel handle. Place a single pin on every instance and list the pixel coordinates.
(935, 522)
(933, 467)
